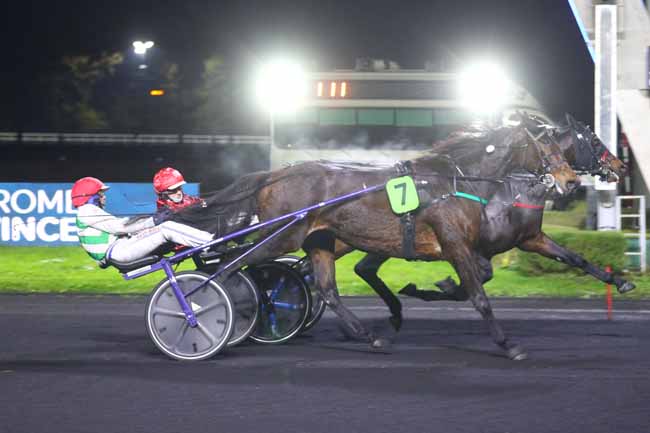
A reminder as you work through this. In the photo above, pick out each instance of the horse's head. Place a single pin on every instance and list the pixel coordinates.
(541, 155)
(494, 153)
(587, 153)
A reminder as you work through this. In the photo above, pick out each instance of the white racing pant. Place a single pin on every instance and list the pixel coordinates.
(146, 241)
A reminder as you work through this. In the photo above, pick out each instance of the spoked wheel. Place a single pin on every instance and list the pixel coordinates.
(243, 294)
(285, 302)
(303, 267)
(171, 332)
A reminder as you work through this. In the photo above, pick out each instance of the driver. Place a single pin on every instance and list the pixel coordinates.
(168, 184)
(106, 237)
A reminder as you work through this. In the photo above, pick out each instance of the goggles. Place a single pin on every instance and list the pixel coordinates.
(175, 190)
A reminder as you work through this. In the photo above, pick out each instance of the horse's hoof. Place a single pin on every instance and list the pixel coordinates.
(516, 353)
(396, 322)
(455, 292)
(409, 290)
(626, 287)
(448, 285)
(382, 344)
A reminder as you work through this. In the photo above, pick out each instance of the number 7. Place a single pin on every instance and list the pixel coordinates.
(403, 187)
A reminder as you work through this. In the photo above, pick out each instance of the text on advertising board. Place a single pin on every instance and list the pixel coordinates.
(42, 213)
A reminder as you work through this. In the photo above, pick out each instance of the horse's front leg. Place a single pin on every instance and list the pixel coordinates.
(325, 280)
(367, 269)
(468, 270)
(542, 244)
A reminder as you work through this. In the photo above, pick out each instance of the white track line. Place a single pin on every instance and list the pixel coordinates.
(515, 310)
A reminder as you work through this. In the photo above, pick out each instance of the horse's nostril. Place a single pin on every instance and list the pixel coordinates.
(573, 184)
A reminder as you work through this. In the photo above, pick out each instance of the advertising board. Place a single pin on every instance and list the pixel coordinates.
(42, 213)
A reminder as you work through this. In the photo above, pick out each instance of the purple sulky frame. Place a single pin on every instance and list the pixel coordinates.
(166, 263)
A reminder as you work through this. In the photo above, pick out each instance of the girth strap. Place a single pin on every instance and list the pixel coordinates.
(408, 235)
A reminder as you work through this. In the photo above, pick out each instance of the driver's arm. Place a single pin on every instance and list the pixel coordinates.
(102, 220)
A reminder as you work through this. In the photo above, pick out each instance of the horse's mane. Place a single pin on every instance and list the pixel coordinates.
(353, 165)
(467, 146)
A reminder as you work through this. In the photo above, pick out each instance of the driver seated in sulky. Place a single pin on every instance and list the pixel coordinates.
(168, 184)
(106, 237)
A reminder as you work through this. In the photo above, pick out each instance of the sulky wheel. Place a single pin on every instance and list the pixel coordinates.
(303, 267)
(285, 302)
(244, 296)
(171, 332)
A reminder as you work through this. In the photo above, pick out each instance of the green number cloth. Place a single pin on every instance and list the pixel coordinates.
(402, 194)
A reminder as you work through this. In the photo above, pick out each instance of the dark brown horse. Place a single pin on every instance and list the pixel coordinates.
(511, 222)
(509, 226)
(447, 225)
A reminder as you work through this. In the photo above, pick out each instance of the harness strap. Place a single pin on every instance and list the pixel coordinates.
(408, 235)
(404, 167)
(407, 221)
(527, 206)
(470, 197)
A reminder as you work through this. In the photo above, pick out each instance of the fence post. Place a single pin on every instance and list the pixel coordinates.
(608, 269)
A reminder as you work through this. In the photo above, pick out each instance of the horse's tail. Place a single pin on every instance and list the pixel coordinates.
(232, 207)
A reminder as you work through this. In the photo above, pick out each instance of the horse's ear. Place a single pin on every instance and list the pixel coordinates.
(528, 120)
(569, 119)
(522, 116)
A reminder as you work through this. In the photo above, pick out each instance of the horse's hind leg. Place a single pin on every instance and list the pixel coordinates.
(367, 269)
(449, 289)
(324, 273)
(469, 274)
(542, 244)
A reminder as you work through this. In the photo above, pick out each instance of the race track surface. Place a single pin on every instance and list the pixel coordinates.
(85, 364)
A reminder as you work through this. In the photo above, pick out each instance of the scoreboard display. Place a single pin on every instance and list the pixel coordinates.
(384, 89)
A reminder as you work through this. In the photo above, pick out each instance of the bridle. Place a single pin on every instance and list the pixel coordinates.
(599, 163)
(591, 155)
(550, 155)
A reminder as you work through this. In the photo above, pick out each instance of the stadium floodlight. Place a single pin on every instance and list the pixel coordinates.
(141, 48)
(281, 86)
(484, 88)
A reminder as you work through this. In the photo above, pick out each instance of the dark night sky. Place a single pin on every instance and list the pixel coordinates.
(537, 40)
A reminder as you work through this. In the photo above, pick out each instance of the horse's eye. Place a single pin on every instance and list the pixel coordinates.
(490, 148)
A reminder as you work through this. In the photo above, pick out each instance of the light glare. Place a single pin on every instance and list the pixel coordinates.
(484, 88)
(281, 86)
(140, 47)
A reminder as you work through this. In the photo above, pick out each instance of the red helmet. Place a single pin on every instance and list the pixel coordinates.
(167, 178)
(85, 188)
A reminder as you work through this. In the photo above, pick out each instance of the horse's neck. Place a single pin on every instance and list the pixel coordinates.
(435, 163)
(525, 186)
(521, 190)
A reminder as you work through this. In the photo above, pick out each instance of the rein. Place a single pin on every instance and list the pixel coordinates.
(526, 206)
(550, 159)
(603, 157)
